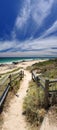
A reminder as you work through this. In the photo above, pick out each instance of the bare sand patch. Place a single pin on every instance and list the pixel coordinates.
(13, 118)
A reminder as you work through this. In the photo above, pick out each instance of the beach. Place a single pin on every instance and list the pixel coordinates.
(4, 68)
(14, 113)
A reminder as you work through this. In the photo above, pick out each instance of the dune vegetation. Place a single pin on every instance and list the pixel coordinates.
(33, 106)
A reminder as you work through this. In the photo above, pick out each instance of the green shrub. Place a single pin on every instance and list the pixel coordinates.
(33, 105)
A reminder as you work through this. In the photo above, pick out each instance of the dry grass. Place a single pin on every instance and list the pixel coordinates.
(33, 106)
(47, 68)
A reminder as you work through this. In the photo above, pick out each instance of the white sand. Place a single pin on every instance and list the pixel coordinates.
(10, 67)
(47, 125)
(13, 118)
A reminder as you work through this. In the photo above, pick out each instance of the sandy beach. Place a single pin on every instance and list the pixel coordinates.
(14, 113)
(4, 68)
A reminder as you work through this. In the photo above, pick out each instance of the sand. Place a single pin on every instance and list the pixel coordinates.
(9, 67)
(49, 122)
(13, 118)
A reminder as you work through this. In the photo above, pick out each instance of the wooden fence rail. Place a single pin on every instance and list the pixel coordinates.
(20, 75)
(45, 84)
(2, 98)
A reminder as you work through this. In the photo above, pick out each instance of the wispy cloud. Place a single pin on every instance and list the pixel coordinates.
(30, 47)
(40, 10)
(37, 10)
(52, 29)
(44, 44)
(23, 15)
(6, 45)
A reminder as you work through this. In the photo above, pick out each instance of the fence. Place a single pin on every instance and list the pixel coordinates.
(10, 79)
(47, 86)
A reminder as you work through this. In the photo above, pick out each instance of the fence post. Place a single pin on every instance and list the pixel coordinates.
(32, 75)
(10, 80)
(20, 74)
(46, 93)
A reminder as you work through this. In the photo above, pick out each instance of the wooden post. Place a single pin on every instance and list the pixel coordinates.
(20, 74)
(32, 75)
(46, 93)
(10, 79)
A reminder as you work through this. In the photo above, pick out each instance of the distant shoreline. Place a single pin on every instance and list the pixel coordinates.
(4, 68)
(11, 60)
(24, 63)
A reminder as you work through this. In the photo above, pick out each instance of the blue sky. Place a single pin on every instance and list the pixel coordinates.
(28, 27)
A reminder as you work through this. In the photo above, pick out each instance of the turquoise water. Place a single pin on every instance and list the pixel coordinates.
(16, 59)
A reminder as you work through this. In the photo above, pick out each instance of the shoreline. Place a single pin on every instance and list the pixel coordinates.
(4, 68)
(10, 60)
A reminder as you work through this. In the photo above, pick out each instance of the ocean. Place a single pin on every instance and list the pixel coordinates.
(4, 60)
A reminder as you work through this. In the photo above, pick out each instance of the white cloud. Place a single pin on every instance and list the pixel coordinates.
(52, 29)
(44, 46)
(30, 53)
(23, 15)
(38, 10)
(7, 45)
(41, 44)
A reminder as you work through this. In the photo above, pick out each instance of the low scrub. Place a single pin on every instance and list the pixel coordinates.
(33, 106)
(15, 86)
(47, 68)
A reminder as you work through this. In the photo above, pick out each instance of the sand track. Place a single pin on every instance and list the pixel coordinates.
(47, 124)
(13, 118)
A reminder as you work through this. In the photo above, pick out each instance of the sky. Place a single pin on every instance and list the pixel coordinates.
(28, 28)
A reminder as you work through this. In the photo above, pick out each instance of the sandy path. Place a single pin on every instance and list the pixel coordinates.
(13, 118)
(50, 121)
(10, 67)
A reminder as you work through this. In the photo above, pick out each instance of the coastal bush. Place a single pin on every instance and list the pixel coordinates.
(33, 106)
(15, 86)
(47, 68)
